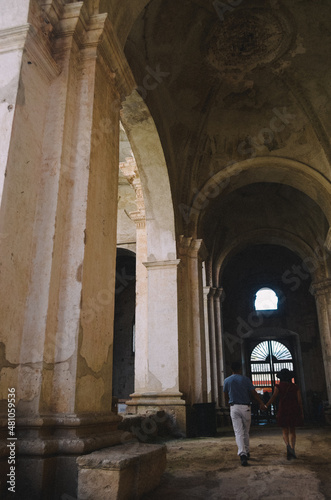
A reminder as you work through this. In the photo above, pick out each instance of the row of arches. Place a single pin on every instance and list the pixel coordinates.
(220, 127)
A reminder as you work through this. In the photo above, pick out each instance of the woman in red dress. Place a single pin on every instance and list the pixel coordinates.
(290, 410)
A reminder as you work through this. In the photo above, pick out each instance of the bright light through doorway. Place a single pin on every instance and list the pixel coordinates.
(266, 300)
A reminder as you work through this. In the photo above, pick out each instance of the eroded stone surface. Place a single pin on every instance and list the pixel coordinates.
(210, 468)
(120, 472)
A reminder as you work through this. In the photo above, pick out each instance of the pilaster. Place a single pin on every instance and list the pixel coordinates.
(212, 343)
(206, 291)
(322, 292)
(58, 227)
(192, 253)
(218, 299)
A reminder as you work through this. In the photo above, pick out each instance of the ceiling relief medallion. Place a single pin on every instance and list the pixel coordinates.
(247, 39)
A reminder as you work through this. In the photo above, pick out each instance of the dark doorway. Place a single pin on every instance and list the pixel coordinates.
(124, 326)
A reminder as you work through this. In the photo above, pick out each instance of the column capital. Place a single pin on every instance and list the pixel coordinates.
(139, 219)
(193, 247)
(321, 287)
(161, 264)
(130, 171)
(96, 39)
(219, 294)
(209, 291)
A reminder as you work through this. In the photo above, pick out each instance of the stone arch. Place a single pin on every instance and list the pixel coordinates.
(266, 235)
(122, 16)
(263, 169)
(146, 146)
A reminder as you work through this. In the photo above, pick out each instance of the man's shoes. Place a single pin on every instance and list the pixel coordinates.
(243, 460)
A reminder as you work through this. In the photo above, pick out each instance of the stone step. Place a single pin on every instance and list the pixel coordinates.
(122, 472)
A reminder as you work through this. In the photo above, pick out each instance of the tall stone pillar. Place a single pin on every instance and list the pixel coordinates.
(156, 333)
(58, 245)
(212, 344)
(192, 326)
(156, 380)
(206, 290)
(129, 169)
(322, 292)
(218, 299)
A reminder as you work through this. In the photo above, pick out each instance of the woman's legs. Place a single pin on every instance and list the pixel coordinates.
(289, 437)
(285, 435)
(292, 437)
(292, 440)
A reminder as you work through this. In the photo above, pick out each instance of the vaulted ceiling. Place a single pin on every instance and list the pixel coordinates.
(246, 84)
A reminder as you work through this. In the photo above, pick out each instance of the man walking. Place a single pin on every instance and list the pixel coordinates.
(238, 391)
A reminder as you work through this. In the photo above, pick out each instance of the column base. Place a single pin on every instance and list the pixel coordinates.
(327, 415)
(46, 448)
(152, 402)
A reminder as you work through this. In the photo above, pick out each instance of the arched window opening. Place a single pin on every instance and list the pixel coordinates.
(268, 358)
(266, 300)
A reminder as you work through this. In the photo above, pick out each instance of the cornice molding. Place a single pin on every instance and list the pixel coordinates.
(162, 264)
(26, 37)
(41, 54)
(112, 52)
(14, 38)
(53, 9)
(96, 39)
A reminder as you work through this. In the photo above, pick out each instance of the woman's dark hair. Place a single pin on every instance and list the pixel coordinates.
(285, 375)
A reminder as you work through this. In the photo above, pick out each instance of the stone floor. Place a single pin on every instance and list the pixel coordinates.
(208, 468)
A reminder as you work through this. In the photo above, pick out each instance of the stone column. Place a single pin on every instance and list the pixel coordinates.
(218, 298)
(206, 291)
(212, 344)
(157, 381)
(192, 252)
(129, 169)
(58, 227)
(322, 292)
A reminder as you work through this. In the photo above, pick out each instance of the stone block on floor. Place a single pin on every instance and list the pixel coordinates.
(122, 472)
